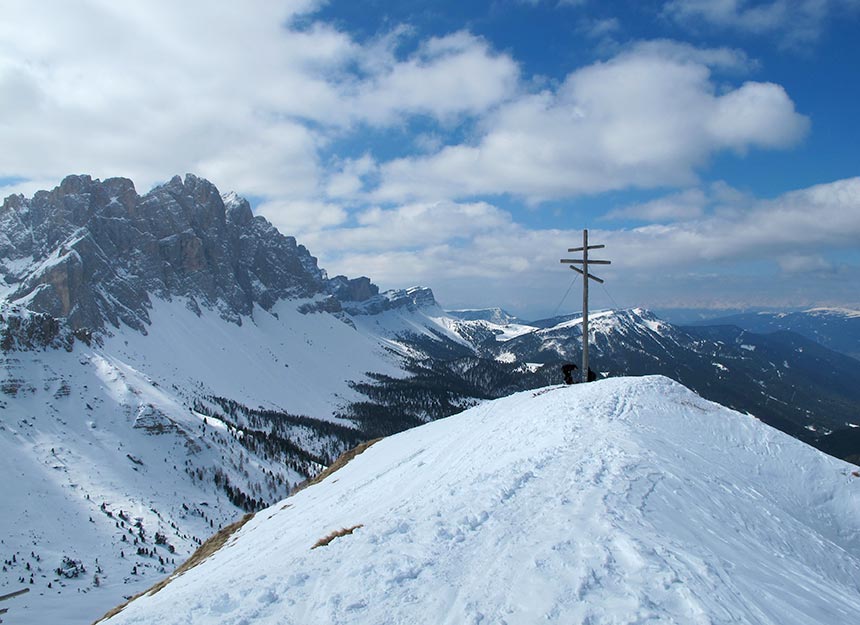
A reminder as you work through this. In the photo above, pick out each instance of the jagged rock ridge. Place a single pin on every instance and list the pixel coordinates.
(94, 251)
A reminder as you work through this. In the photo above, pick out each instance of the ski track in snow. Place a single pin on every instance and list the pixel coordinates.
(623, 501)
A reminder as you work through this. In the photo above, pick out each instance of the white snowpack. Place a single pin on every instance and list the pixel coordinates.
(13, 268)
(421, 322)
(511, 330)
(628, 500)
(114, 425)
(834, 311)
(294, 362)
(506, 357)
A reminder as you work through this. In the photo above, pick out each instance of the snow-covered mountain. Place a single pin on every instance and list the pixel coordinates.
(494, 315)
(835, 328)
(788, 381)
(627, 500)
(169, 361)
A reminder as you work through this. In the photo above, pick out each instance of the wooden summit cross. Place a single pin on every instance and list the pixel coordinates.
(586, 276)
(11, 595)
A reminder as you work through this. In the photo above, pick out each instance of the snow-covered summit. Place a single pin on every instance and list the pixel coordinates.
(495, 315)
(848, 313)
(626, 500)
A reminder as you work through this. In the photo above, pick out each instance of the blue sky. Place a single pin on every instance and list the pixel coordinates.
(711, 145)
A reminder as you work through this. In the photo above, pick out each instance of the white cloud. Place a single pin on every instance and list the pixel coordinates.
(415, 226)
(797, 263)
(724, 59)
(757, 114)
(349, 178)
(799, 222)
(600, 28)
(648, 117)
(723, 238)
(796, 22)
(146, 91)
(688, 204)
(292, 216)
(447, 77)
(238, 92)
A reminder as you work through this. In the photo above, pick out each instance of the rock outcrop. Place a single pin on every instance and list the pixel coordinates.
(93, 252)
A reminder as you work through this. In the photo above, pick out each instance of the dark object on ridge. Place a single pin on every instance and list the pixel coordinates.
(568, 369)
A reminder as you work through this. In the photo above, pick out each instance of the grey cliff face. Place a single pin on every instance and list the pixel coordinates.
(93, 252)
(408, 299)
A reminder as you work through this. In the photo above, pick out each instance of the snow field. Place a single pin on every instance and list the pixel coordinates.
(622, 501)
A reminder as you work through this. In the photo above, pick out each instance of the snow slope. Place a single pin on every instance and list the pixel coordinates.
(100, 430)
(300, 363)
(629, 500)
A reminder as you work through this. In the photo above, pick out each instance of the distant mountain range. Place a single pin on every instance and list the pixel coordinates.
(835, 328)
(786, 380)
(169, 360)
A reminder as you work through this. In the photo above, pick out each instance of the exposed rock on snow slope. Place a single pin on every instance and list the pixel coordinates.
(627, 500)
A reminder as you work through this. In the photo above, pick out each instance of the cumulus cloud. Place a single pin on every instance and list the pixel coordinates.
(416, 226)
(648, 117)
(799, 222)
(247, 94)
(291, 216)
(717, 235)
(260, 97)
(447, 77)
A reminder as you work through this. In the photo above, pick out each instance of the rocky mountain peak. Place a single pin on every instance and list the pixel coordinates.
(494, 315)
(411, 299)
(95, 251)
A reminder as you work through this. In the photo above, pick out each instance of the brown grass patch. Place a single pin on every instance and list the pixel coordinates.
(344, 531)
(213, 544)
(338, 464)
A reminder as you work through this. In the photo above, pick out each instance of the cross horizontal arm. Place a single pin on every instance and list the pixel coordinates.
(580, 272)
(579, 249)
(579, 261)
(14, 594)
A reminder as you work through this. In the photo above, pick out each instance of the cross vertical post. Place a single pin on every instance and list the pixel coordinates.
(585, 306)
(584, 261)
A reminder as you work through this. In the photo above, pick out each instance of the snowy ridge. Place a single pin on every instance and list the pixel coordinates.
(627, 500)
(493, 315)
(849, 313)
(406, 316)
